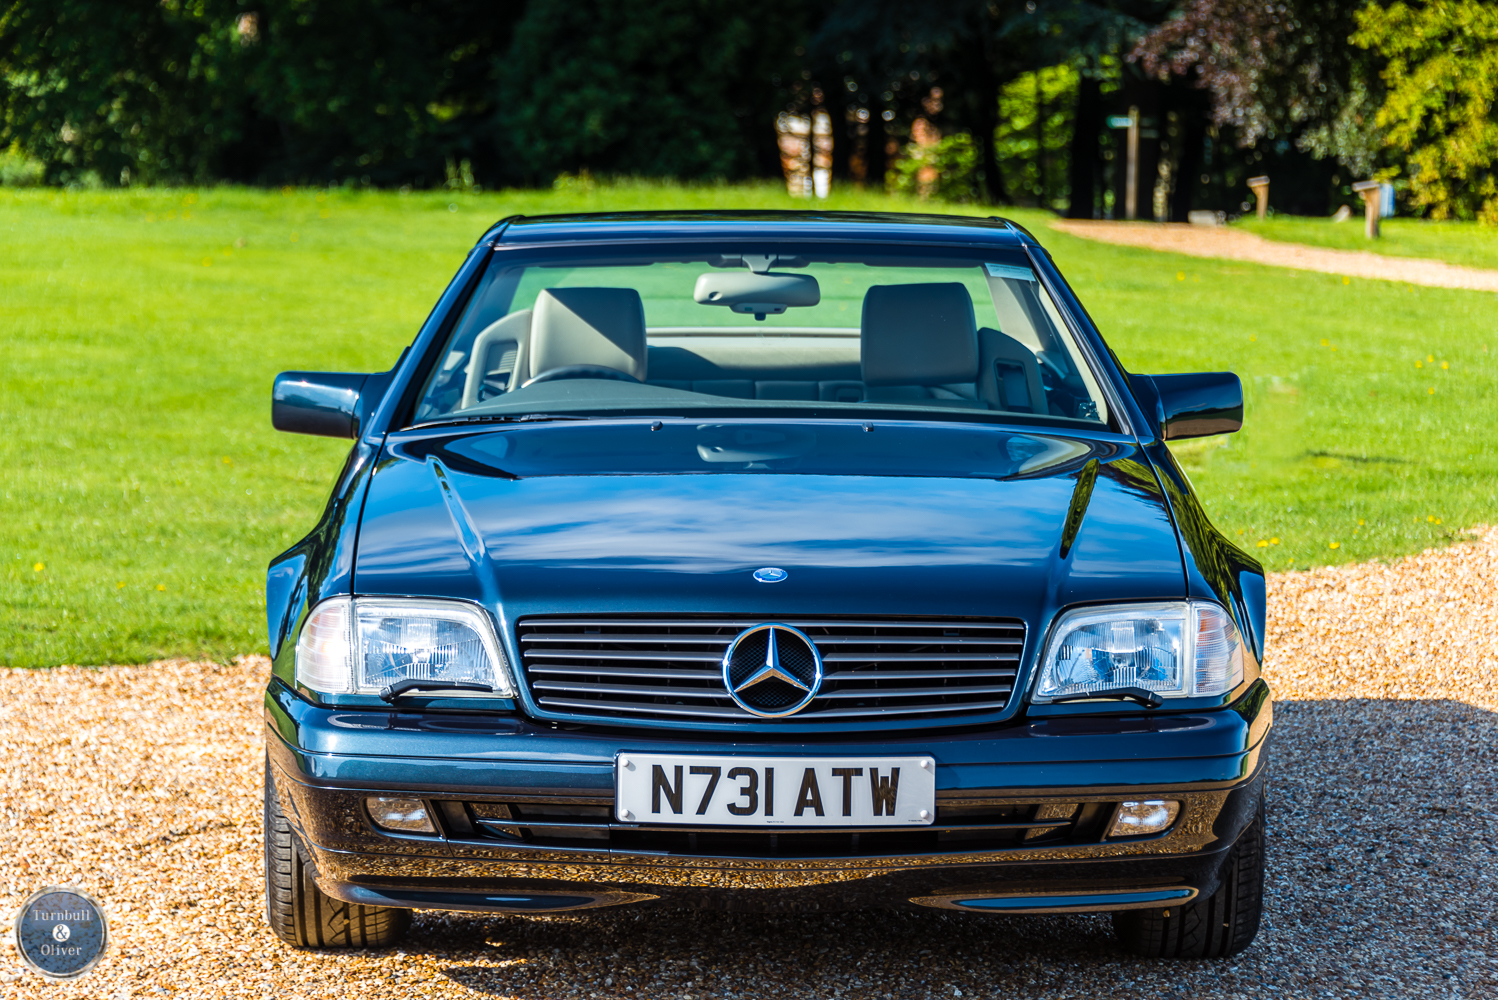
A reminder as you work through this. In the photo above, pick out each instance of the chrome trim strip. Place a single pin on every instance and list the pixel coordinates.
(1057, 902)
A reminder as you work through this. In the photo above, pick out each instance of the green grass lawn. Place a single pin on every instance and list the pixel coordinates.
(145, 490)
(1465, 243)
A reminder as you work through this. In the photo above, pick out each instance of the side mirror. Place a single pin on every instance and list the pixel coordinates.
(1198, 404)
(325, 403)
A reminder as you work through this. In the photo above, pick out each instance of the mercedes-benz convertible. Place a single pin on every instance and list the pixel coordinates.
(764, 561)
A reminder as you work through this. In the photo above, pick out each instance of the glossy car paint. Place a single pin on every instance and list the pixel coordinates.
(436, 513)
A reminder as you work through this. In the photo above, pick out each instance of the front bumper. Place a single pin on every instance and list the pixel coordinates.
(525, 815)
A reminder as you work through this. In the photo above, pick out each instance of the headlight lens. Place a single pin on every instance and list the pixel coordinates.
(1177, 649)
(361, 645)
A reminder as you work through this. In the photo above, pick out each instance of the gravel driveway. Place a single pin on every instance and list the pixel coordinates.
(142, 785)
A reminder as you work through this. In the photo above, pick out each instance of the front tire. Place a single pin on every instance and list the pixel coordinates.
(303, 915)
(1214, 926)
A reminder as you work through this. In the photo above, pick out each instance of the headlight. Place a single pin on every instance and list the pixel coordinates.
(1177, 649)
(363, 645)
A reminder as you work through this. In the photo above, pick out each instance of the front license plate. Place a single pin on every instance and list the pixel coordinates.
(775, 791)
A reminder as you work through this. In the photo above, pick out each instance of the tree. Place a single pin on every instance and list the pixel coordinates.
(1442, 104)
(170, 91)
(118, 89)
(388, 90)
(892, 52)
(671, 88)
(1276, 68)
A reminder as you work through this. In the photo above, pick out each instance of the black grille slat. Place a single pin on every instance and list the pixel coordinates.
(643, 708)
(925, 640)
(921, 692)
(629, 669)
(707, 640)
(640, 690)
(600, 654)
(974, 706)
(914, 657)
(650, 673)
(958, 828)
(913, 675)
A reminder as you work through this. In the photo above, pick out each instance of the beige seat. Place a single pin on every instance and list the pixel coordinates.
(1009, 374)
(920, 345)
(587, 326)
(499, 351)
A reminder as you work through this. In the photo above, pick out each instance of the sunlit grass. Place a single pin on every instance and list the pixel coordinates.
(1371, 405)
(145, 489)
(1465, 243)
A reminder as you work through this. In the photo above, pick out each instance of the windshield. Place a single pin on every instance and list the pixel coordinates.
(806, 329)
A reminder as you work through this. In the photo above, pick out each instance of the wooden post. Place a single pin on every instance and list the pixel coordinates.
(1131, 170)
(1260, 187)
(1371, 198)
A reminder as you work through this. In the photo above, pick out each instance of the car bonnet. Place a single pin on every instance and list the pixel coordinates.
(617, 517)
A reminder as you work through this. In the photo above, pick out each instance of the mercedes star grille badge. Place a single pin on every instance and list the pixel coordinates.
(772, 671)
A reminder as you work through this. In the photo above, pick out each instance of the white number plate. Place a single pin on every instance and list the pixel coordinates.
(775, 791)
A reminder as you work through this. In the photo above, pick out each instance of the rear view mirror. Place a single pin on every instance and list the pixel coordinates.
(1198, 404)
(325, 403)
(763, 295)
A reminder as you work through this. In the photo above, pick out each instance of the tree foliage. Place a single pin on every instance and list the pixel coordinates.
(498, 92)
(108, 86)
(1442, 103)
(386, 89)
(890, 53)
(287, 90)
(951, 163)
(684, 88)
(1276, 69)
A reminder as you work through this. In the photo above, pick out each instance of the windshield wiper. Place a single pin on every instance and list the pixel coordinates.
(502, 418)
(390, 692)
(1143, 696)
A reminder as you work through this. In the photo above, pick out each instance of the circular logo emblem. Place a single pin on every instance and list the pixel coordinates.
(770, 574)
(772, 670)
(61, 933)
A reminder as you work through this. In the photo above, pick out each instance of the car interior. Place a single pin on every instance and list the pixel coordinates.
(917, 344)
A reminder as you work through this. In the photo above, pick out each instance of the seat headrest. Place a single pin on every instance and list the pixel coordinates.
(919, 335)
(588, 326)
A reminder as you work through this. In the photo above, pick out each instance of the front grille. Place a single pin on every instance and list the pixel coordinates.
(958, 829)
(909, 671)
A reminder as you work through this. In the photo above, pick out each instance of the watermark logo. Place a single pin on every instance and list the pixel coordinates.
(61, 933)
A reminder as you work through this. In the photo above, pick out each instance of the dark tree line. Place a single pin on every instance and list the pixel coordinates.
(517, 92)
(394, 92)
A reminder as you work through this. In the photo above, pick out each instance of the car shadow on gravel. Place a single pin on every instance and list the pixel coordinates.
(1381, 880)
(871, 953)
